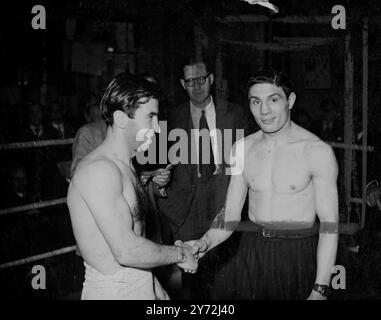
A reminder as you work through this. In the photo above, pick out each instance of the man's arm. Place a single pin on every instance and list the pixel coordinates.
(101, 187)
(373, 194)
(229, 216)
(324, 177)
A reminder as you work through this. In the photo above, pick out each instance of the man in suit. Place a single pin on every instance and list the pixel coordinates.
(197, 190)
(16, 191)
(58, 121)
(34, 128)
(46, 182)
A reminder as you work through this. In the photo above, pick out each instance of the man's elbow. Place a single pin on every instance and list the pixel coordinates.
(129, 256)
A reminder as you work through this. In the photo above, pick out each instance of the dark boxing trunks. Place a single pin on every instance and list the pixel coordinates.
(276, 264)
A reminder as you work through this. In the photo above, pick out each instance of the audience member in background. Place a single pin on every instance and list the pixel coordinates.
(16, 192)
(90, 135)
(58, 121)
(46, 182)
(34, 129)
(92, 112)
(197, 191)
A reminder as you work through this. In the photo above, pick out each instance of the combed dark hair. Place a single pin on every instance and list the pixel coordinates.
(277, 78)
(192, 60)
(125, 93)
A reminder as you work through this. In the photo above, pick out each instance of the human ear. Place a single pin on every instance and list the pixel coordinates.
(182, 82)
(291, 100)
(211, 77)
(120, 119)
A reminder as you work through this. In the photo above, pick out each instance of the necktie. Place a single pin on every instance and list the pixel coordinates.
(205, 145)
(61, 130)
(36, 131)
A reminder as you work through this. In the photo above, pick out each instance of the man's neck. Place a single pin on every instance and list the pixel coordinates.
(118, 147)
(281, 137)
(203, 104)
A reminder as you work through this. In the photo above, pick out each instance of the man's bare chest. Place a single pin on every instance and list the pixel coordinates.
(281, 170)
(136, 198)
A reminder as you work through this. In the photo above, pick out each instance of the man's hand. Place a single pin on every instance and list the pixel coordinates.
(190, 264)
(199, 247)
(145, 176)
(161, 177)
(316, 296)
(373, 196)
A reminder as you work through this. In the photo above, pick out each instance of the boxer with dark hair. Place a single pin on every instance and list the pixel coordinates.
(107, 202)
(290, 175)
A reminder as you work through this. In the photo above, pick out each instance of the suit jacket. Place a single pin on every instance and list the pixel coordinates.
(45, 179)
(88, 137)
(183, 189)
(69, 130)
(26, 134)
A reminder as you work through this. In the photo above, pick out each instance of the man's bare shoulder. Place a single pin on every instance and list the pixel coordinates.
(250, 141)
(319, 154)
(314, 146)
(96, 169)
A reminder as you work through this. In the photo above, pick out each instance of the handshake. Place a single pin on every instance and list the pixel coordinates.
(193, 251)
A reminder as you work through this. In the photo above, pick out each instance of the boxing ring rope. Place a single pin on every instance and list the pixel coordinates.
(33, 206)
(37, 257)
(36, 144)
(345, 228)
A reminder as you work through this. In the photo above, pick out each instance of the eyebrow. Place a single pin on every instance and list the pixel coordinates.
(204, 76)
(153, 114)
(271, 95)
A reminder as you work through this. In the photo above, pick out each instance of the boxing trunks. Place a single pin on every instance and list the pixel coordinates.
(126, 284)
(276, 264)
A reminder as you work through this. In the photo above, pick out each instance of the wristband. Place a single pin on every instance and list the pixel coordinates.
(323, 289)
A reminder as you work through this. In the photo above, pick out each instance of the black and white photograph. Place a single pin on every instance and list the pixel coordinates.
(202, 152)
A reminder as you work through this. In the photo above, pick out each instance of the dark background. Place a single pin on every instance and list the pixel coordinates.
(73, 55)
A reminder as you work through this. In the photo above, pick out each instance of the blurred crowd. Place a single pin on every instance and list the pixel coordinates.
(35, 174)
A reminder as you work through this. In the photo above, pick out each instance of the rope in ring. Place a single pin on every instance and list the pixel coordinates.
(37, 257)
(58, 142)
(35, 205)
(351, 146)
(36, 144)
(348, 229)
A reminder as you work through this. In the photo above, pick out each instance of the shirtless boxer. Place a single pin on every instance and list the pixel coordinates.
(107, 202)
(291, 178)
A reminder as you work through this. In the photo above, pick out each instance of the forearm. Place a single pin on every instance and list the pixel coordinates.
(143, 253)
(222, 227)
(326, 257)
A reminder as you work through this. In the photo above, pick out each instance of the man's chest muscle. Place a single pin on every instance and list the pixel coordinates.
(281, 171)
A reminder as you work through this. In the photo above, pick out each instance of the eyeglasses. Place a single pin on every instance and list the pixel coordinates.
(200, 80)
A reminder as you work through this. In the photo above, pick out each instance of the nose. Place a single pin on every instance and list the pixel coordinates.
(155, 125)
(197, 84)
(265, 109)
